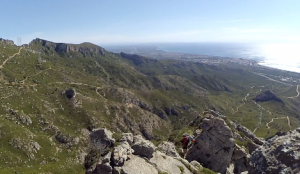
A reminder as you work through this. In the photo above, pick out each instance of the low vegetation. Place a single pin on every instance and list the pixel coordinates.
(155, 98)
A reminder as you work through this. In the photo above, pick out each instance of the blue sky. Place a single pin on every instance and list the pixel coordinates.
(127, 21)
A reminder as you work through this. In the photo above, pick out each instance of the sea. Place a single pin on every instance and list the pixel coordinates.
(284, 56)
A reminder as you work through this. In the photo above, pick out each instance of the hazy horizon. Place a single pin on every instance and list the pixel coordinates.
(132, 21)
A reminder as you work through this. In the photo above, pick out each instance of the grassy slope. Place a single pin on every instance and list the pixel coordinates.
(103, 84)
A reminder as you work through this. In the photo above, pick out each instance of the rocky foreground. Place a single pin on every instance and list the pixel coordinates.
(215, 148)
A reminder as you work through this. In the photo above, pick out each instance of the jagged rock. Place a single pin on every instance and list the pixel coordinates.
(267, 96)
(168, 148)
(252, 146)
(138, 165)
(142, 147)
(102, 139)
(238, 153)
(29, 147)
(214, 146)
(70, 93)
(24, 119)
(7, 42)
(128, 137)
(120, 154)
(169, 164)
(280, 154)
(214, 113)
(237, 136)
(240, 160)
(249, 134)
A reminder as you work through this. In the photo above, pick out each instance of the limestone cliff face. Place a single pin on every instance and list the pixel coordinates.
(87, 49)
(280, 154)
(214, 146)
(7, 42)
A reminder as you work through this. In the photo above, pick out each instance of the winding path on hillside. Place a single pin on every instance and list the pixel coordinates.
(10, 57)
(287, 117)
(245, 99)
(297, 90)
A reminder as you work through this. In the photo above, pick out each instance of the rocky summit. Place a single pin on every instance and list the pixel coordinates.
(215, 148)
(135, 155)
(279, 154)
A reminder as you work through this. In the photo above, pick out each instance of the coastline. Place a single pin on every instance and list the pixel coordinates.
(259, 61)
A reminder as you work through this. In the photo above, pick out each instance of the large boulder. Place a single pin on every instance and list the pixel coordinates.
(168, 148)
(120, 154)
(249, 134)
(214, 146)
(102, 139)
(170, 165)
(138, 165)
(280, 154)
(143, 147)
(240, 160)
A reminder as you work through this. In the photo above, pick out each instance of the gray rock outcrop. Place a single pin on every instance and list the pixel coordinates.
(86, 49)
(240, 160)
(102, 139)
(6, 42)
(135, 155)
(168, 148)
(143, 147)
(214, 146)
(279, 154)
(121, 153)
(249, 134)
(167, 164)
(138, 165)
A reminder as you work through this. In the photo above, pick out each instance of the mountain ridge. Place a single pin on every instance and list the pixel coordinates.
(153, 98)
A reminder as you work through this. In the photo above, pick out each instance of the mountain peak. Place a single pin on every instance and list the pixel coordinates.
(85, 48)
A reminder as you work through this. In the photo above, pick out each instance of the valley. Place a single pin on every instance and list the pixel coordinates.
(157, 98)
